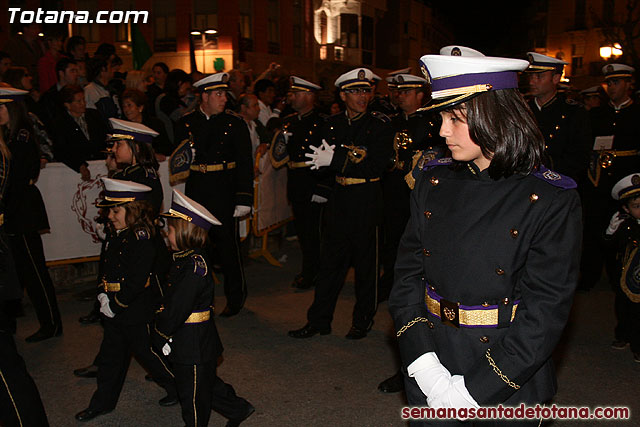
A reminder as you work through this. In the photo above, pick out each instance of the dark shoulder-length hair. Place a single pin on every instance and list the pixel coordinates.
(18, 119)
(139, 214)
(504, 127)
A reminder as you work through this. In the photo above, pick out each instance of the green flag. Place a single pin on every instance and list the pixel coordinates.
(140, 49)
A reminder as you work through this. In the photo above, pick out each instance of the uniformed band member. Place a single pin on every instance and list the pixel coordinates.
(622, 236)
(184, 327)
(26, 216)
(391, 86)
(591, 97)
(221, 177)
(357, 148)
(131, 146)
(20, 402)
(415, 132)
(617, 126)
(487, 266)
(307, 190)
(127, 301)
(563, 122)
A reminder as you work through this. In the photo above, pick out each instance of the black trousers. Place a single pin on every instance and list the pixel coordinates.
(342, 247)
(34, 277)
(308, 220)
(20, 403)
(200, 390)
(628, 317)
(227, 250)
(118, 343)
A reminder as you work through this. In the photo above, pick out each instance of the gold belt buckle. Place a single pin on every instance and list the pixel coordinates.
(104, 285)
(449, 313)
(202, 167)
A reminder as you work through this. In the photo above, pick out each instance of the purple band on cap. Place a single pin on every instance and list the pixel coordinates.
(16, 97)
(195, 218)
(499, 80)
(142, 137)
(138, 195)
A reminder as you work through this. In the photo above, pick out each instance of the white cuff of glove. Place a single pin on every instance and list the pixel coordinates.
(241, 210)
(166, 349)
(106, 310)
(431, 375)
(318, 199)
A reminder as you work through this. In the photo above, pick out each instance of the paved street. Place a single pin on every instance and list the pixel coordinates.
(326, 380)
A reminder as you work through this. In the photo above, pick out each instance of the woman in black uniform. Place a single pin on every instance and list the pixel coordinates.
(26, 218)
(488, 263)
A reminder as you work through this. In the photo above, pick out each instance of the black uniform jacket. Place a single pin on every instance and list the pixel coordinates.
(128, 260)
(567, 135)
(477, 241)
(364, 145)
(220, 139)
(144, 176)
(624, 125)
(71, 146)
(190, 290)
(303, 131)
(25, 210)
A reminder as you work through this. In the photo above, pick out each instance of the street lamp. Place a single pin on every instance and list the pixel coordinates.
(607, 52)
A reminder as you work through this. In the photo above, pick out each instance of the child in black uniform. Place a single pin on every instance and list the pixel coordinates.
(184, 328)
(127, 302)
(623, 235)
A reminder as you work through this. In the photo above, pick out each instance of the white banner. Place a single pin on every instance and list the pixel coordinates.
(70, 204)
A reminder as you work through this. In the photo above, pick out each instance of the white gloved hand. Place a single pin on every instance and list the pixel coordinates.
(321, 156)
(241, 210)
(455, 396)
(431, 375)
(318, 199)
(103, 299)
(166, 349)
(106, 310)
(615, 222)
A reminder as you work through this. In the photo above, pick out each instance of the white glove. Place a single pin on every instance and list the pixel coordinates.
(318, 199)
(431, 375)
(166, 349)
(103, 299)
(104, 305)
(455, 396)
(321, 156)
(241, 210)
(615, 222)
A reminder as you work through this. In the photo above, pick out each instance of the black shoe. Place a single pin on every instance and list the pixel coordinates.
(89, 414)
(228, 311)
(300, 283)
(148, 377)
(88, 372)
(308, 331)
(394, 384)
(356, 333)
(236, 422)
(92, 317)
(169, 400)
(44, 333)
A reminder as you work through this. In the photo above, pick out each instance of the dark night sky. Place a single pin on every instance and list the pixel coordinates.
(495, 27)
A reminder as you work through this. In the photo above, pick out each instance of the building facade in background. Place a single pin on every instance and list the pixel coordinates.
(317, 39)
